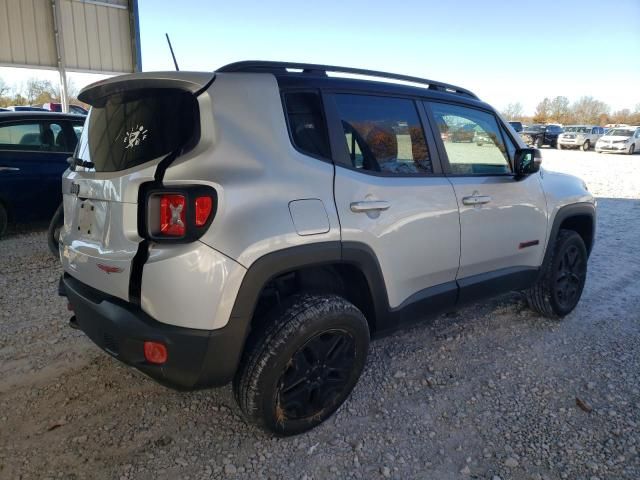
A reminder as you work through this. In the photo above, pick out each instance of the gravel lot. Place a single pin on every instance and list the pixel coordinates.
(491, 391)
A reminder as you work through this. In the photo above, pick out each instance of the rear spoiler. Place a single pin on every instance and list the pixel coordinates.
(194, 82)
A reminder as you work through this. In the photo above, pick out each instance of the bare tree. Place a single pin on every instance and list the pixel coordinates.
(559, 110)
(590, 110)
(39, 91)
(514, 111)
(543, 111)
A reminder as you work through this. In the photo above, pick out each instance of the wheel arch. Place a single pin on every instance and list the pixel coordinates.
(579, 217)
(350, 269)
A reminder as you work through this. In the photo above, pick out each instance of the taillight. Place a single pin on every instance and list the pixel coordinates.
(172, 215)
(178, 215)
(203, 207)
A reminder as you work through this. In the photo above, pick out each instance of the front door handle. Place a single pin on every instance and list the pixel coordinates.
(369, 206)
(9, 169)
(476, 200)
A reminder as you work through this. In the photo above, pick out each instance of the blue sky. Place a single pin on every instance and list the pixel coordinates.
(504, 51)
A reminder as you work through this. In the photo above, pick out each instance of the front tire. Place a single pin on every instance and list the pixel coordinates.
(539, 142)
(586, 146)
(302, 365)
(559, 288)
(559, 147)
(632, 149)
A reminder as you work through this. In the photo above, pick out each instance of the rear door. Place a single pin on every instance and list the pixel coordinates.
(33, 157)
(503, 220)
(126, 135)
(392, 198)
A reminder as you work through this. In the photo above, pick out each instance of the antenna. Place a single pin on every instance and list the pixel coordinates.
(175, 62)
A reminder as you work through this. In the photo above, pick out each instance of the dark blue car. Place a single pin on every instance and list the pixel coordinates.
(34, 147)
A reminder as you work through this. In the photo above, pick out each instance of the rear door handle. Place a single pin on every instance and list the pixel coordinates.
(9, 169)
(476, 200)
(369, 206)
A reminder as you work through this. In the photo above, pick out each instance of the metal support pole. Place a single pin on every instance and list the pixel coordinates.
(57, 23)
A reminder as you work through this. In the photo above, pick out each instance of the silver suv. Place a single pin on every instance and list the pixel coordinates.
(580, 136)
(260, 225)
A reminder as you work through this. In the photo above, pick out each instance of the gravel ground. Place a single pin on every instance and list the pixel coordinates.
(491, 391)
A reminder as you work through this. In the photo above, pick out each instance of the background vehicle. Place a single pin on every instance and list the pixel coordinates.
(580, 136)
(25, 108)
(540, 135)
(311, 214)
(517, 126)
(57, 107)
(620, 140)
(34, 147)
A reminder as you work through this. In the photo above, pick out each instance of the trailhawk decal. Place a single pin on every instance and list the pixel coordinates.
(136, 135)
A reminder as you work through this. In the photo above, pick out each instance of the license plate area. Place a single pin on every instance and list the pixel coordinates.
(88, 223)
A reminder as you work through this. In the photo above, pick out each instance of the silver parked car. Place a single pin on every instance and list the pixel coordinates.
(259, 225)
(580, 136)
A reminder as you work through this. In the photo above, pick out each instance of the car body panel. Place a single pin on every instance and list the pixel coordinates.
(30, 186)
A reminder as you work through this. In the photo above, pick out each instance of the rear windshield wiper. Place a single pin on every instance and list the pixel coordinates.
(78, 162)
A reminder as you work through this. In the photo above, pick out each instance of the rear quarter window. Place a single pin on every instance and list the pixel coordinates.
(306, 123)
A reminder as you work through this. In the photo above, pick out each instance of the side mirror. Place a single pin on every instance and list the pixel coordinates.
(526, 161)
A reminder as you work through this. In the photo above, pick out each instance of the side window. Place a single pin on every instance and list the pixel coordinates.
(383, 134)
(306, 123)
(21, 136)
(472, 139)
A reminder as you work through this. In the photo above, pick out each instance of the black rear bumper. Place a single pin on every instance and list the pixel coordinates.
(196, 358)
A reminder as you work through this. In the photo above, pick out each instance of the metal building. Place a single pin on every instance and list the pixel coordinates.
(88, 36)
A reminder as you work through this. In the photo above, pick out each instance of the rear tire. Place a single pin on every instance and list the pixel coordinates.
(4, 220)
(586, 146)
(53, 234)
(302, 365)
(561, 281)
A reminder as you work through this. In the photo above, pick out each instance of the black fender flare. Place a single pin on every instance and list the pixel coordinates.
(580, 209)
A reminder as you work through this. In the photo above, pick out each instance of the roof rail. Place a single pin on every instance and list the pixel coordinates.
(257, 66)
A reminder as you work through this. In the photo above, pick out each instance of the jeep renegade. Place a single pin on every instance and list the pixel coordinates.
(260, 224)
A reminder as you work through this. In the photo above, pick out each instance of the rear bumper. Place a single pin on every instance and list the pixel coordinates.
(196, 358)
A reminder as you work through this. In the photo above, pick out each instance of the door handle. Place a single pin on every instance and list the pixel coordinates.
(9, 169)
(369, 206)
(476, 200)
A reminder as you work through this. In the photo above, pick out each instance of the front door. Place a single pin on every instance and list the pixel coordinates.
(391, 197)
(503, 220)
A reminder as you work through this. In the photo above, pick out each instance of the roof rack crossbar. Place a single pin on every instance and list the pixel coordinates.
(257, 66)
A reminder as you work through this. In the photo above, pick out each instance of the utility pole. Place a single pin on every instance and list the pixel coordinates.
(57, 22)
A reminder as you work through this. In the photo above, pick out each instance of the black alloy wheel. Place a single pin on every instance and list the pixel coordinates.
(570, 276)
(317, 374)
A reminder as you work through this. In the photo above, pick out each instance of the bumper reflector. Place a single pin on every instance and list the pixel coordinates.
(155, 352)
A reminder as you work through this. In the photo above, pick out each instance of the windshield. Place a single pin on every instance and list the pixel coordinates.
(619, 132)
(134, 127)
(577, 129)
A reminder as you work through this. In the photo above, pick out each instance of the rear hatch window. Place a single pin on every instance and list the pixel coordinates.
(130, 128)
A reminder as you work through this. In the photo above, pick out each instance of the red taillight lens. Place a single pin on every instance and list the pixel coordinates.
(155, 352)
(172, 215)
(204, 205)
